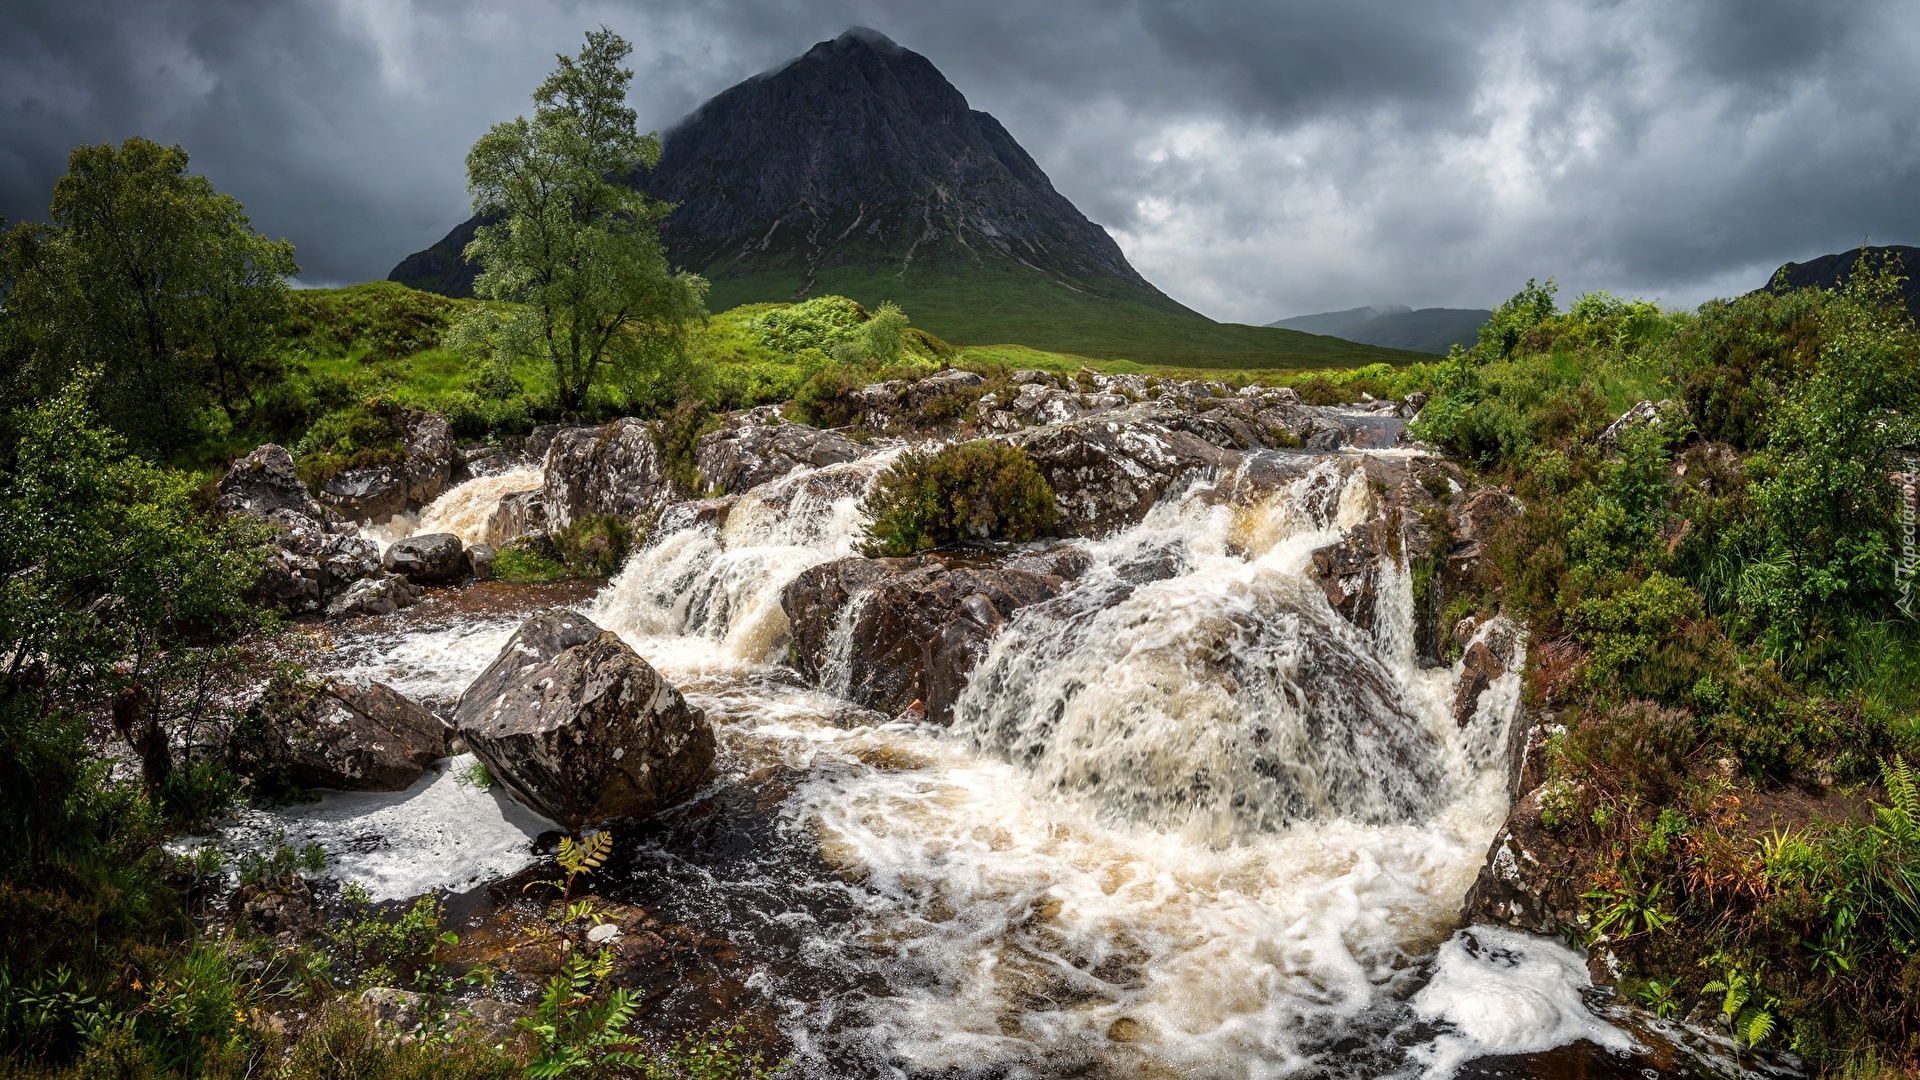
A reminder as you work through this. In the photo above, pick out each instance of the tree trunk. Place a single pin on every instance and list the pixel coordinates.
(134, 721)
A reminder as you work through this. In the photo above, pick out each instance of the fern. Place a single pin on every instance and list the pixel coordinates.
(576, 859)
(1900, 818)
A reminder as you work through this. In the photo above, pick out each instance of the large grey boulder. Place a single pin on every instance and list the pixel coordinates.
(308, 562)
(263, 482)
(583, 731)
(520, 513)
(376, 493)
(425, 559)
(918, 625)
(431, 457)
(735, 459)
(1108, 470)
(357, 737)
(613, 469)
(382, 595)
(371, 494)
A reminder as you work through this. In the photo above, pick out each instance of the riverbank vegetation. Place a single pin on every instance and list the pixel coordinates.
(1721, 641)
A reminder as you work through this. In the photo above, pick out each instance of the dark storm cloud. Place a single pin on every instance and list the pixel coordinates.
(1254, 159)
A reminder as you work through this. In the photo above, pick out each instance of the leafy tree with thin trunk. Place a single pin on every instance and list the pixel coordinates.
(150, 278)
(572, 244)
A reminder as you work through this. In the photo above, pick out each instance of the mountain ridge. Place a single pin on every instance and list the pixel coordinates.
(1396, 326)
(857, 168)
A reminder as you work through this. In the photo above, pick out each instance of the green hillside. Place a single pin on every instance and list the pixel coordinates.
(988, 305)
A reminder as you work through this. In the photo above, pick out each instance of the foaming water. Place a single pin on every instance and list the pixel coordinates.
(1188, 821)
(462, 510)
(706, 599)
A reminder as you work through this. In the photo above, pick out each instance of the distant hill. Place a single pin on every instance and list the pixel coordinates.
(1393, 326)
(859, 169)
(1337, 323)
(1831, 271)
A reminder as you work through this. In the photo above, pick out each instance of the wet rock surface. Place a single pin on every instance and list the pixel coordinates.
(426, 559)
(612, 469)
(358, 737)
(886, 633)
(583, 733)
(372, 494)
(383, 595)
(736, 459)
(263, 482)
(520, 513)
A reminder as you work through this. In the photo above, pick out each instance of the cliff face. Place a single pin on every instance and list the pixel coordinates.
(859, 154)
(1832, 271)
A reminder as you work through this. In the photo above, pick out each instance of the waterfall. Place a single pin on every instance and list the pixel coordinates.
(1197, 680)
(462, 510)
(703, 597)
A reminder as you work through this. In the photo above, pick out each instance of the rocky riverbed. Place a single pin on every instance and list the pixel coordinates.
(1187, 793)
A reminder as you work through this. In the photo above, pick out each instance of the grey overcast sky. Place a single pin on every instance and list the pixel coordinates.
(1254, 159)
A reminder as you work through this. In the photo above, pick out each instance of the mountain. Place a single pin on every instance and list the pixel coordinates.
(1428, 330)
(1334, 323)
(859, 169)
(1832, 271)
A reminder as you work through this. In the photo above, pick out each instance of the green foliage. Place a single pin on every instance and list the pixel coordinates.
(521, 563)
(970, 492)
(572, 246)
(883, 333)
(820, 323)
(153, 280)
(373, 946)
(115, 584)
(593, 545)
(1824, 489)
(343, 1043)
(576, 858)
(574, 1032)
(677, 438)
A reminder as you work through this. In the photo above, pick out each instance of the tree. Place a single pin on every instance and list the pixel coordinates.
(572, 243)
(149, 277)
(114, 585)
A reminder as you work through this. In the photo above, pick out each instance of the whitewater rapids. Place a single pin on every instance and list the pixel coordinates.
(1088, 873)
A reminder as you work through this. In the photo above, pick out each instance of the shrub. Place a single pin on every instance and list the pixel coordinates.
(594, 545)
(980, 490)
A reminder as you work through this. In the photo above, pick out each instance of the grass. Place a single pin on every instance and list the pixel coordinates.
(990, 306)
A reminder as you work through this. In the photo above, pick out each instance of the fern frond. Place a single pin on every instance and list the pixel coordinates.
(1901, 816)
(598, 847)
(1758, 1027)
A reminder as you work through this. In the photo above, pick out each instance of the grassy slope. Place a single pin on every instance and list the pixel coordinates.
(991, 306)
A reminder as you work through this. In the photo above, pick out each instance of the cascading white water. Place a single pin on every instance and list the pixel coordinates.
(1189, 821)
(1224, 699)
(704, 599)
(462, 510)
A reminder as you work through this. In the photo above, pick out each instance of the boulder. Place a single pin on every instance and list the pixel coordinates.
(613, 469)
(1107, 471)
(583, 732)
(381, 595)
(263, 482)
(425, 559)
(925, 392)
(372, 494)
(735, 459)
(480, 561)
(544, 636)
(711, 513)
(358, 737)
(918, 625)
(402, 1012)
(308, 562)
(1531, 881)
(1643, 414)
(520, 513)
(427, 467)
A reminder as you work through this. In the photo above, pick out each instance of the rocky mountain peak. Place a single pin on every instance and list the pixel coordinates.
(858, 153)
